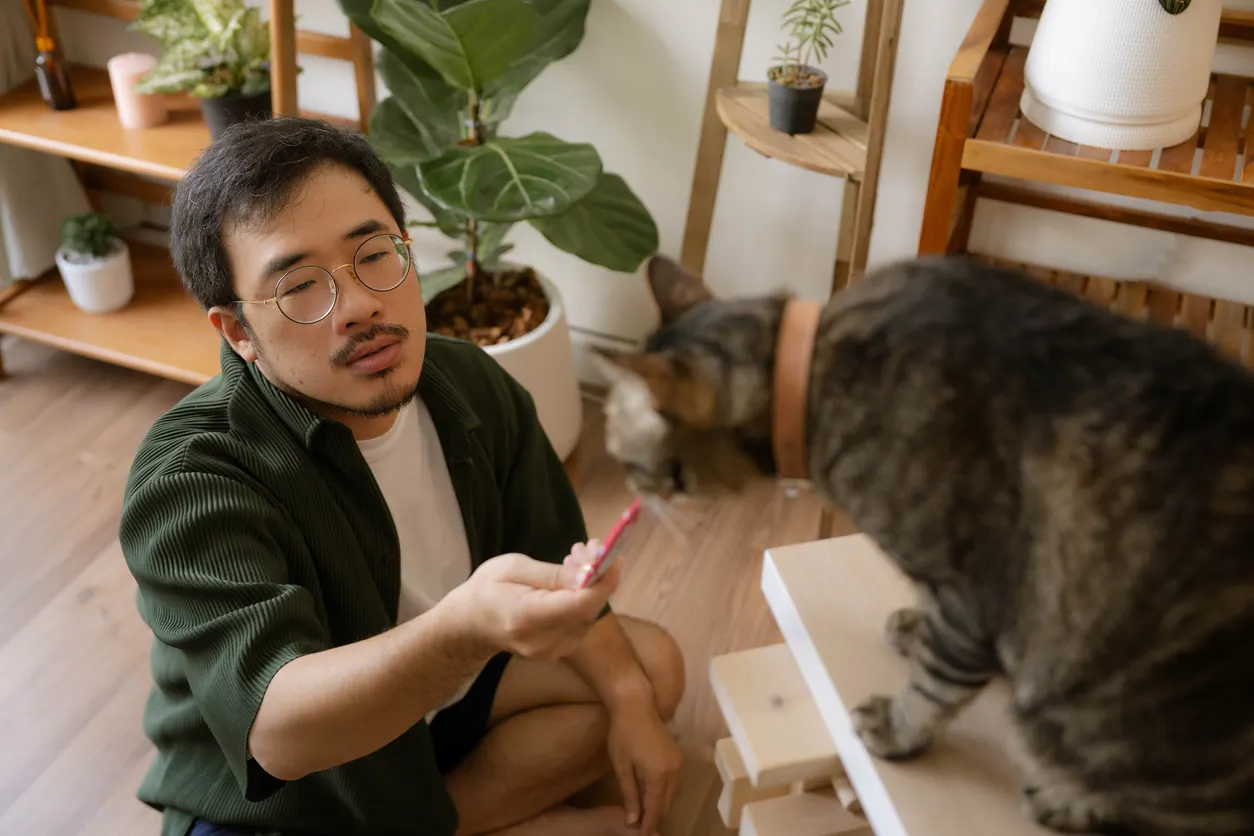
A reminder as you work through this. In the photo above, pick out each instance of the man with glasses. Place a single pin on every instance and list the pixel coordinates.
(357, 551)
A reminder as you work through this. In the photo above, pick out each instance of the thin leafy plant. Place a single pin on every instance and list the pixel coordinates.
(87, 237)
(454, 70)
(210, 48)
(812, 27)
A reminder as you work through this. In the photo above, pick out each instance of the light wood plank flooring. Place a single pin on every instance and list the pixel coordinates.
(73, 652)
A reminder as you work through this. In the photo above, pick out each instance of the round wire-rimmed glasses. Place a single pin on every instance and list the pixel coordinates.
(308, 294)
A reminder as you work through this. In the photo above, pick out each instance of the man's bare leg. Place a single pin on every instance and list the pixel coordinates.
(547, 741)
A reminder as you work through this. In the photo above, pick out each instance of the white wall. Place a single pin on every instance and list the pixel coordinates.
(635, 89)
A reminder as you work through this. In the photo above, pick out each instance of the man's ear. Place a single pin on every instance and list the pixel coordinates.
(223, 318)
(674, 289)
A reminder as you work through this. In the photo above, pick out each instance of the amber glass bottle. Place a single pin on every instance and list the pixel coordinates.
(54, 81)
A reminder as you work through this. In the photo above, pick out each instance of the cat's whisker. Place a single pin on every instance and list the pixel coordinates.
(661, 511)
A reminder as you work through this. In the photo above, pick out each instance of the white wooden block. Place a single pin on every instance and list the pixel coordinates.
(772, 717)
(831, 599)
(816, 813)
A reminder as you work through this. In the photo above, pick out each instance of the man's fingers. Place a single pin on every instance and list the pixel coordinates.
(654, 793)
(627, 784)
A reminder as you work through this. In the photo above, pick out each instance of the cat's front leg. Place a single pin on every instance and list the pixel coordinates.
(948, 669)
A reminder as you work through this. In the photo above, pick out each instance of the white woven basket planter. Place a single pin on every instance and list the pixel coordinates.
(1122, 74)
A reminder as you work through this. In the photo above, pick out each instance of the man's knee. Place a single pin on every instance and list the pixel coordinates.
(662, 660)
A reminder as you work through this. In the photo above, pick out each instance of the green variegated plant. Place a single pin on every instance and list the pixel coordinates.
(454, 69)
(210, 48)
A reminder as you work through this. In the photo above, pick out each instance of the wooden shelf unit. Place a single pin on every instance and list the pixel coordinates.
(91, 132)
(986, 149)
(162, 331)
(848, 142)
(837, 147)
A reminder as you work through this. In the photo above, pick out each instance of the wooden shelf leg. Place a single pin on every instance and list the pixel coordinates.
(737, 788)
(941, 203)
(733, 17)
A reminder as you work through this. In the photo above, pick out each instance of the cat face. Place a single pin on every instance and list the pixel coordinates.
(689, 413)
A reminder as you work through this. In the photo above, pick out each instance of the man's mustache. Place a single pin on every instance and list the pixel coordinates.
(341, 357)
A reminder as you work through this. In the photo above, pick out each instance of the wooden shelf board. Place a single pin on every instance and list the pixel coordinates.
(801, 814)
(1009, 145)
(837, 147)
(771, 716)
(92, 133)
(830, 599)
(161, 332)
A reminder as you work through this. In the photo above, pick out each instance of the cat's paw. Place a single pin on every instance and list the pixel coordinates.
(902, 629)
(1062, 808)
(882, 733)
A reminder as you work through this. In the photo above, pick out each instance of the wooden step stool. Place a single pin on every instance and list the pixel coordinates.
(780, 769)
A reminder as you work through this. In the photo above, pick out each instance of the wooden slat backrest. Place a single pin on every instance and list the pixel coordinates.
(286, 43)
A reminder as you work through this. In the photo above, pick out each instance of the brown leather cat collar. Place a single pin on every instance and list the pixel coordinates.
(794, 349)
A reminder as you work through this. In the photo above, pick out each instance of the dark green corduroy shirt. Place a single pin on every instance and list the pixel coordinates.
(256, 533)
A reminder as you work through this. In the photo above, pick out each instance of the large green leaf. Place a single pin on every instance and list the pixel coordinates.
(471, 45)
(609, 227)
(421, 117)
(450, 223)
(512, 179)
(438, 281)
(561, 31)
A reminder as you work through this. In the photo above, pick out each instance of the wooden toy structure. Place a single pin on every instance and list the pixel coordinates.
(793, 765)
(162, 331)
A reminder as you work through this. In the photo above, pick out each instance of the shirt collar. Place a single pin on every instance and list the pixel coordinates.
(435, 386)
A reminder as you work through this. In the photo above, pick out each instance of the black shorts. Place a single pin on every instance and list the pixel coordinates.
(458, 729)
(455, 732)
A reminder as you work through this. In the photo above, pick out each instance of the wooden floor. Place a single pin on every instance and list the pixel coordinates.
(73, 652)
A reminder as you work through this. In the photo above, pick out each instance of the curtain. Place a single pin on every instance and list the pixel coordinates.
(36, 190)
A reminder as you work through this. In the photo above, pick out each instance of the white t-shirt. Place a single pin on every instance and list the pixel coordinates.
(408, 464)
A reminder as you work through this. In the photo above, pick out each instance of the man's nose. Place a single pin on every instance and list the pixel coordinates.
(357, 303)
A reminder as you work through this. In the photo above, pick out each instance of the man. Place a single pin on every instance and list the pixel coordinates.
(358, 552)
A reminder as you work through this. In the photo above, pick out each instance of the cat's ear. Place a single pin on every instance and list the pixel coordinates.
(673, 390)
(656, 371)
(674, 289)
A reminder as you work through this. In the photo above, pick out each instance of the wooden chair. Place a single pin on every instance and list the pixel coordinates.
(984, 148)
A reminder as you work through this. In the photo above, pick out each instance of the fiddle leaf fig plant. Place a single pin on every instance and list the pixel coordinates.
(454, 70)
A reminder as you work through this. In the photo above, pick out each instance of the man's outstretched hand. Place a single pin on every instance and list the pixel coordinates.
(531, 608)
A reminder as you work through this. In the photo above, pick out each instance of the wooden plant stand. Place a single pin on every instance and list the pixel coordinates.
(986, 149)
(162, 331)
(793, 765)
(848, 141)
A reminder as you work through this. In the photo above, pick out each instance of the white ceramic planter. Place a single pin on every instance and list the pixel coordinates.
(544, 363)
(1121, 74)
(100, 286)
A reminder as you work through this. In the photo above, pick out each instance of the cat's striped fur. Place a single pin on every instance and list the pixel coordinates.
(1071, 491)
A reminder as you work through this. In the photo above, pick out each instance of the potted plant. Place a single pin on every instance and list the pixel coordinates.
(216, 50)
(1122, 74)
(95, 263)
(795, 82)
(454, 71)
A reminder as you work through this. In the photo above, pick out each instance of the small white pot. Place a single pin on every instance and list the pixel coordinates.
(543, 361)
(1121, 74)
(102, 285)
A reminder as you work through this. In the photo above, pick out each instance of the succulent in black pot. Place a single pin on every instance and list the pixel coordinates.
(795, 82)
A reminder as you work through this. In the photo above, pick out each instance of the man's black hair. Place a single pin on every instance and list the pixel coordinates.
(248, 175)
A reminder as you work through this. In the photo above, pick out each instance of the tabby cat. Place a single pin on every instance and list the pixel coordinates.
(1070, 491)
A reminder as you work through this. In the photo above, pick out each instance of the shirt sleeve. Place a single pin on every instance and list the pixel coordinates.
(207, 553)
